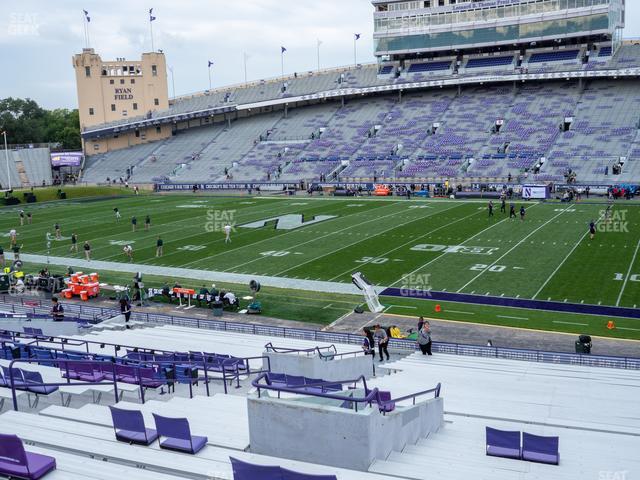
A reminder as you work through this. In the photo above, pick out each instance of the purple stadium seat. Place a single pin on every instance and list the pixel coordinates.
(178, 435)
(248, 471)
(33, 383)
(291, 475)
(386, 397)
(18, 380)
(540, 449)
(502, 443)
(129, 427)
(16, 462)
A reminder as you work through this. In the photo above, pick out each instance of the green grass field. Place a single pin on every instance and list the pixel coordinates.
(442, 245)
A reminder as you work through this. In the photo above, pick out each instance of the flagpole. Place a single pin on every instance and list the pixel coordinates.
(84, 25)
(319, 43)
(282, 62)
(245, 66)
(151, 29)
(209, 77)
(355, 51)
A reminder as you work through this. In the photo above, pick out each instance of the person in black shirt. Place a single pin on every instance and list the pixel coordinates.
(125, 309)
(57, 229)
(592, 229)
(87, 251)
(29, 218)
(2, 256)
(57, 312)
(512, 211)
(503, 205)
(147, 222)
(159, 245)
(134, 222)
(490, 208)
(522, 213)
(74, 243)
(16, 251)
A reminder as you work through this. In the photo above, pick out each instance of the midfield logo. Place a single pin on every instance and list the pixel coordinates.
(288, 222)
(468, 250)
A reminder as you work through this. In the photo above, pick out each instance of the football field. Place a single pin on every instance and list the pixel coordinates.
(452, 246)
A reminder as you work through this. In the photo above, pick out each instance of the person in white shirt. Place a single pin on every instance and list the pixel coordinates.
(13, 235)
(227, 233)
(128, 251)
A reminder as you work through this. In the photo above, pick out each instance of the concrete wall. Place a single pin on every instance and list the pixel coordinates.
(302, 430)
(312, 366)
(48, 327)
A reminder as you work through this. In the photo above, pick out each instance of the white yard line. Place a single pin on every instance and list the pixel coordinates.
(293, 247)
(509, 251)
(360, 241)
(445, 253)
(406, 243)
(571, 323)
(512, 318)
(227, 252)
(626, 279)
(460, 312)
(564, 260)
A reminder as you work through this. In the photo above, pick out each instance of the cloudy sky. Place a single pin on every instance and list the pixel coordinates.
(37, 40)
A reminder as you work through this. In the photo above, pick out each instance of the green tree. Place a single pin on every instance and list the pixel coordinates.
(26, 122)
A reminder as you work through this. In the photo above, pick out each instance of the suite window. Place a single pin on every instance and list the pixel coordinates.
(156, 102)
(91, 111)
(137, 133)
(87, 71)
(133, 80)
(111, 82)
(154, 70)
(135, 106)
(113, 107)
(122, 81)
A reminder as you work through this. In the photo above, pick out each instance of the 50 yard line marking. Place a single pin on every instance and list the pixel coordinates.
(564, 260)
(509, 251)
(624, 285)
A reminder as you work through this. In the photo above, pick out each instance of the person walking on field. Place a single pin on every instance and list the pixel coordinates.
(87, 251)
(147, 222)
(74, 243)
(134, 222)
(227, 233)
(424, 339)
(159, 245)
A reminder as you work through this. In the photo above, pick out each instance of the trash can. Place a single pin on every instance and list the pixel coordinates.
(217, 308)
(583, 344)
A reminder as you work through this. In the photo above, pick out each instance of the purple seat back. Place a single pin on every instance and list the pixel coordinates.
(131, 420)
(172, 427)
(540, 449)
(248, 471)
(34, 377)
(12, 450)
(291, 475)
(502, 438)
(17, 375)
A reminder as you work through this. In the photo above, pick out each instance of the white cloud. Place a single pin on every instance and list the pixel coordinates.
(190, 32)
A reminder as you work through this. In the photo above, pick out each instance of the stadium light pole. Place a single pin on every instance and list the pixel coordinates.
(319, 43)
(6, 156)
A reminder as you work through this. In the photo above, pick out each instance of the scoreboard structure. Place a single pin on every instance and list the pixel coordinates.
(405, 29)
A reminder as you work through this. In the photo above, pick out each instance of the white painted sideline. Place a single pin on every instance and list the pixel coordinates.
(205, 275)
